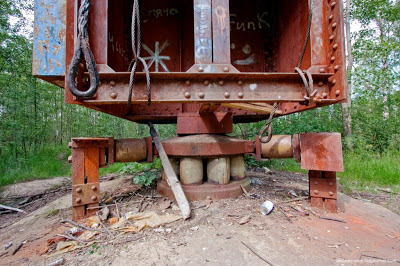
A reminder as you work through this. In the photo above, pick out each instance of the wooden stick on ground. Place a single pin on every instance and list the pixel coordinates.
(171, 176)
(255, 253)
(11, 208)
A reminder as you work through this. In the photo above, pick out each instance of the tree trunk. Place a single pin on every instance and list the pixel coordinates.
(346, 112)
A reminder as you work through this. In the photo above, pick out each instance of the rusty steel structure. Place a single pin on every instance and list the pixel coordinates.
(202, 65)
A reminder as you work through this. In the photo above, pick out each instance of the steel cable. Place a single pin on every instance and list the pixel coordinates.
(83, 51)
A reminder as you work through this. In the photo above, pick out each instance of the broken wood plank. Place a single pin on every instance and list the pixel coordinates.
(267, 109)
(172, 179)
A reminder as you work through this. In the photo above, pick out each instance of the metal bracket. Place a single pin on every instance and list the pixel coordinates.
(85, 194)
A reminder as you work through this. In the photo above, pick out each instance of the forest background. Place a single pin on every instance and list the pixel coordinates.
(36, 125)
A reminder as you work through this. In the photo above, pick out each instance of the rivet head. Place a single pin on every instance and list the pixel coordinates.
(113, 95)
(227, 95)
(221, 83)
(94, 188)
(336, 68)
(322, 70)
(226, 69)
(333, 82)
(320, 84)
(201, 95)
(94, 198)
(330, 193)
(187, 95)
(112, 83)
(334, 25)
(332, 37)
(187, 82)
(70, 159)
(324, 95)
(335, 46)
(78, 190)
(333, 59)
(78, 200)
(333, 4)
(330, 17)
(240, 94)
(206, 83)
(337, 92)
(316, 192)
(200, 69)
(240, 83)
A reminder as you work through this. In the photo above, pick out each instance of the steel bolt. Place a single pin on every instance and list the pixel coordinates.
(200, 69)
(337, 92)
(240, 83)
(333, 59)
(206, 83)
(113, 95)
(322, 70)
(240, 94)
(94, 198)
(324, 95)
(333, 4)
(227, 94)
(187, 95)
(320, 84)
(316, 192)
(201, 95)
(78, 190)
(334, 25)
(78, 200)
(226, 69)
(94, 188)
(331, 17)
(187, 82)
(70, 159)
(221, 83)
(335, 46)
(336, 68)
(112, 83)
(333, 82)
(331, 193)
(332, 37)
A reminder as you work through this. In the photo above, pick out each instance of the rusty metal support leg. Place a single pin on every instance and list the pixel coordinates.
(88, 155)
(323, 191)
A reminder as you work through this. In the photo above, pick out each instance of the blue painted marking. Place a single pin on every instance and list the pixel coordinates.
(49, 38)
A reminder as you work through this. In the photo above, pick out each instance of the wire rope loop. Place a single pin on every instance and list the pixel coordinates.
(268, 126)
(83, 51)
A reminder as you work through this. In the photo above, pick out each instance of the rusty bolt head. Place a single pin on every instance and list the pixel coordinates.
(331, 193)
(322, 70)
(240, 94)
(94, 198)
(227, 95)
(187, 82)
(187, 95)
(221, 83)
(94, 188)
(226, 69)
(333, 59)
(330, 17)
(337, 92)
(334, 25)
(320, 84)
(332, 37)
(113, 95)
(201, 95)
(78, 200)
(335, 46)
(333, 4)
(70, 159)
(333, 82)
(112, 83)
(206, 83)
(200, 69)
(240, 83)
(336, 68)
(324, 95)
(316, 192)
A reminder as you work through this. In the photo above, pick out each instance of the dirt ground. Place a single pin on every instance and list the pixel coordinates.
(293, 234)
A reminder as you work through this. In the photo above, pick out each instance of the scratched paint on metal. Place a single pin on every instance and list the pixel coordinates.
(49, 38)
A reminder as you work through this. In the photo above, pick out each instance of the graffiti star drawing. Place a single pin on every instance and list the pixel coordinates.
(155, 57)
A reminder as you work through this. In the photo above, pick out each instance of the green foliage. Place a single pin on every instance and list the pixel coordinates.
(145, 178)
(145, 173)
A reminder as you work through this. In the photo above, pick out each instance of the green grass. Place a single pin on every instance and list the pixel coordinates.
(45, 163)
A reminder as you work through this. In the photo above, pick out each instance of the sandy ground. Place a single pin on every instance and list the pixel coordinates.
(364, 233)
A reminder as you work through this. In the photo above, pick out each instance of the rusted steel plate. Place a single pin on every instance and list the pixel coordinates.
(205, 87)
(49, 42)
(90, 142)
(321, 151)
(84, 194)
(201, 192)
(212, 123)
(323, 187)
(221, 32)
(207, 146)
